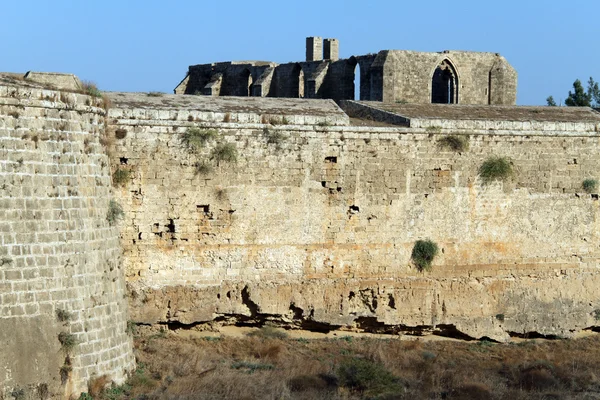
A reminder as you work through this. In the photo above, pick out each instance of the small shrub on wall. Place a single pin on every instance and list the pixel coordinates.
(423, 253)
(454, 143)
(495, 168)
(195, 138)
(120, 177)
(115, 212)
(224, 152)
(590, 185)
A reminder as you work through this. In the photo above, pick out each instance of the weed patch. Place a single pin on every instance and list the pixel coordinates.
(590, 185)
(251, 367)
(91, 89)
(121, 177)
(195, 138)
(495, 168)
(224, 152)
(454, 143)
(115, 212)
(67, 341)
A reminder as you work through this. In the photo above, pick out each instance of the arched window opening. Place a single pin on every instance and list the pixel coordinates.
(444, 84)
(250, 81)
(301, 84)
(357, 82)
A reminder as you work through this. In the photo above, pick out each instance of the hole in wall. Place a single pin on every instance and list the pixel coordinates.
(353, 209)
(331, 159)
(123, 160)
(170, 226)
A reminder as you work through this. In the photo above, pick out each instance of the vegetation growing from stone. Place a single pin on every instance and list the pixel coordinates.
(495, 168)
(254, 367)
(67, 341)
(423, 253)
(155, 94)
(115, 212)
(224, 152)
(121, 177)
(203, 168)
(454, 142)
(196, 138)
(91, 89)
(590, 185)
(274, 137)
(63, 315)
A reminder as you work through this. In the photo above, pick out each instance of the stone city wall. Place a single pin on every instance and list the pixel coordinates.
(63, 312)
(313, 227)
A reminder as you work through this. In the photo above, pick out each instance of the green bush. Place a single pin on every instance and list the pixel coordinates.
(195, 138)
(590, 185)
(121, 177)
(367, 377)
(454, 142)
(495, 168)
(115, 212)
(423, 253)
(274, 137)
(224, 152)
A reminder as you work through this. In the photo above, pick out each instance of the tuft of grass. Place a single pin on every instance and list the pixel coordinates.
(590, 185)
(155, 94)
(131, 328)
(67, 341)
(121, 177)
(274, 137)
(367, 377)
(115, 212)
(63, 315)
(495, 168)
(251, 367)
(203, 168)
(91, 89)
(597, 314)
(454, 142)
(269, 332)
(224, 152)
(14, 114)
(323, 124)
(433, 129)
(423, 253)
(279, 121)
(195, 138)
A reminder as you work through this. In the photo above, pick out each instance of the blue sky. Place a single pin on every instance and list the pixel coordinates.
(147, 45)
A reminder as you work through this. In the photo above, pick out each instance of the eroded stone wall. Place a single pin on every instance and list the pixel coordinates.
(314, 227)
(60, 260)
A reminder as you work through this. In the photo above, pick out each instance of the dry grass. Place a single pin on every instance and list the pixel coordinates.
(273, 367)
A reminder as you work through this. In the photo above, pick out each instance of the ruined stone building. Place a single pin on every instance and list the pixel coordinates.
(448, 77)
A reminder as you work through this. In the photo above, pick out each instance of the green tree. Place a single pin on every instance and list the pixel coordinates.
(550, 101)
(579, 97)
(594, 92)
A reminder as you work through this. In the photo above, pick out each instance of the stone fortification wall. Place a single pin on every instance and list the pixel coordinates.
(313, 227)
(60, 270)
